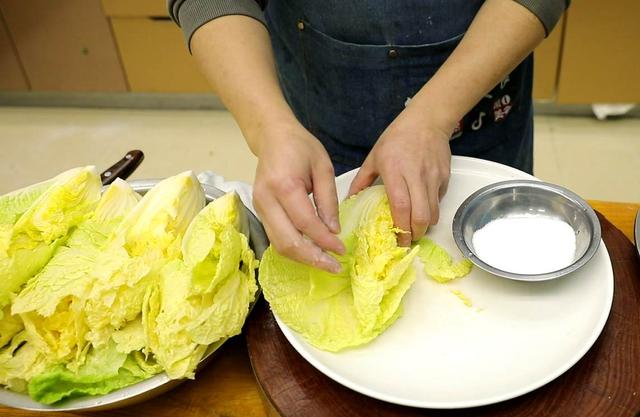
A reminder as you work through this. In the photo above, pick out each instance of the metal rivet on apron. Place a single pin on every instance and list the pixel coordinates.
(393, 53)
(300, 25)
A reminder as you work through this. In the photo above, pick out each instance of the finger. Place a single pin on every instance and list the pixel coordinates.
(420, 207)
(325, 196)
(364, 178)
(400, 202)
(294, 200)
(288, 242)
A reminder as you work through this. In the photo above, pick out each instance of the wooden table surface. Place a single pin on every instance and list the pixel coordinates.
(227, 388)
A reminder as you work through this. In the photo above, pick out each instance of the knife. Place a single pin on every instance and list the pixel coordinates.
(123, 168)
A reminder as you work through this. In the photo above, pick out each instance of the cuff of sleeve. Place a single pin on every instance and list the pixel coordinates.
(547, 11)
(194, 13)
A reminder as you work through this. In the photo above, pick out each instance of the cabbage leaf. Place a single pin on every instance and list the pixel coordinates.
(337, 311)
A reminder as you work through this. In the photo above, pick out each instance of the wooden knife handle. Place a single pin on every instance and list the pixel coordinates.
(123, 168)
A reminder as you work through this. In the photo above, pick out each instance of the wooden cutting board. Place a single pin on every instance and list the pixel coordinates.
(605, 382)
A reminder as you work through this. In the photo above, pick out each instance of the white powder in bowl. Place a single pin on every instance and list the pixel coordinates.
(531, 244)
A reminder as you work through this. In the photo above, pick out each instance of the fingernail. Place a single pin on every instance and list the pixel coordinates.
(334, 224)
(341, 249)
(404, 239)
(333, 265)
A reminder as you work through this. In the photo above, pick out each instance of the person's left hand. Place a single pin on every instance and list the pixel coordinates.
(413, 158)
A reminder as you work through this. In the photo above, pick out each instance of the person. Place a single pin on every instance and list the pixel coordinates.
(395, 87)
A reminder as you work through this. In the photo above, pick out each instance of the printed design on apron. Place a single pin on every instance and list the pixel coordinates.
(497, 103)
(494, 107)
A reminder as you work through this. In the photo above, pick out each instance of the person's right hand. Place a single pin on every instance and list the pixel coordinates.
(291, 164)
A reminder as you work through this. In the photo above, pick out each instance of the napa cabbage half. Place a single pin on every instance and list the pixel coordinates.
(50, 306)
(203, 298)
(336, 311)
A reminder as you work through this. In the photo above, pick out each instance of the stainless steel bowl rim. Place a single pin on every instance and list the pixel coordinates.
(457, 229)
(157, 384)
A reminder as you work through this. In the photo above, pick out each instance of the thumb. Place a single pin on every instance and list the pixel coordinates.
(364, 178)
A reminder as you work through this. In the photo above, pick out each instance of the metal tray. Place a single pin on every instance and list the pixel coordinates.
(158, 384)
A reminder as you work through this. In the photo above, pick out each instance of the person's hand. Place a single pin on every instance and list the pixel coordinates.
(413, 158)
(292, 163)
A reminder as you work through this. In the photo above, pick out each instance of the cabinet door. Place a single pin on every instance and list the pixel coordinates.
(601, 53)
(64, 44)
(11, 75)
(135, 8)
(155, 56)
(546, 61)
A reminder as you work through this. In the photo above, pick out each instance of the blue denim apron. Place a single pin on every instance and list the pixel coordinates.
(348, 69)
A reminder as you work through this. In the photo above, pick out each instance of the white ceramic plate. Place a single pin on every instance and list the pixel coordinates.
(516, 337)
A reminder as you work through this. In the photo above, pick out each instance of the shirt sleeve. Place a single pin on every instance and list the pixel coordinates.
(191, 14)
(547, 11)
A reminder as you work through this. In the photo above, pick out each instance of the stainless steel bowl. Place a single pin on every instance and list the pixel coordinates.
(158, 384)
(527, 197)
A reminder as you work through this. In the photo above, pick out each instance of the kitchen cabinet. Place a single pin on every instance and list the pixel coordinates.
(546, 64)
(152, 48)
(600, 53)
(154, 56)
(12, 77)
(64, 45)
(135, 8)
